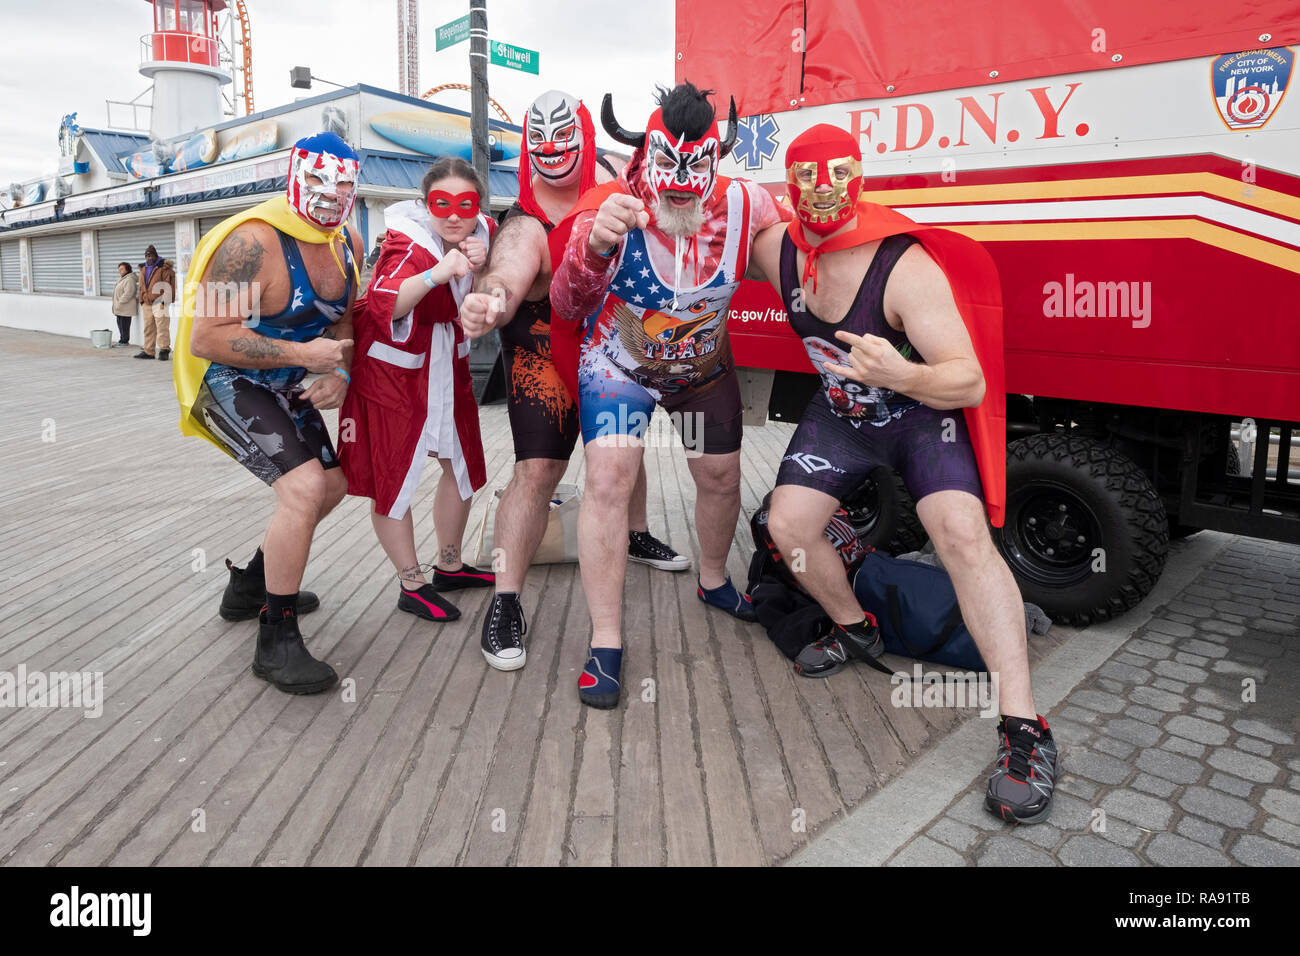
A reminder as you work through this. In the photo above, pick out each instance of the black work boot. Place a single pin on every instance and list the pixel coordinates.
(246, 593)
(284, 660)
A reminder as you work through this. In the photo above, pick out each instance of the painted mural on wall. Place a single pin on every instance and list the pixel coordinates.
(443, 134)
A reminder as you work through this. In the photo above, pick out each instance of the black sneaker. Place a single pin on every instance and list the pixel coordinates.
(863, 640)
(645, 548)
(142, 354)
(503, 633)
(246, 593)
(1020, 787)
(467, 576)
(164, 354)
(822, 658)
(282, 659)
(425, 602)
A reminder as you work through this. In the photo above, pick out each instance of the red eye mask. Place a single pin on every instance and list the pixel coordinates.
(465, 205)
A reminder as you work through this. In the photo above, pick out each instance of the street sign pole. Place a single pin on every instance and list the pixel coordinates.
(478, 64)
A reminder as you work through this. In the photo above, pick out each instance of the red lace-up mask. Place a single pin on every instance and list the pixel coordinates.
(823, 156)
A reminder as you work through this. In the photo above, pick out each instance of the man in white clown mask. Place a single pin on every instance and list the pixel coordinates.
(513, 297)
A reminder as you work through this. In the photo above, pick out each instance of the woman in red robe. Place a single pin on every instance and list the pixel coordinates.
(411, 397)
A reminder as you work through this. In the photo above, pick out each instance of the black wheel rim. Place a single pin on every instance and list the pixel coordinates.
(1049, 535)
(863, 507)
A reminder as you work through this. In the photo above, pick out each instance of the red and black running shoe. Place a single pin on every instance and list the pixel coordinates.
(1024, 776)
(427, 603)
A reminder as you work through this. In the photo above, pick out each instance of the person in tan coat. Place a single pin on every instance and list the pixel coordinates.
(126, 301)
(157, 289)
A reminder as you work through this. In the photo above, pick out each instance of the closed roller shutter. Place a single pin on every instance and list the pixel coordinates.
(127, 244)
(11, 278)
(56, 264)
(208, 223)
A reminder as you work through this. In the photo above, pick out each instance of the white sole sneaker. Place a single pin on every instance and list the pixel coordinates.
(505, 663)
(680, 563)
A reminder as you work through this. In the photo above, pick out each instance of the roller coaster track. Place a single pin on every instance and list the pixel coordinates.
(247, 43)
(465, 86)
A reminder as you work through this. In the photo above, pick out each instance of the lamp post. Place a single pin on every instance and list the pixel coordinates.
(478, 63)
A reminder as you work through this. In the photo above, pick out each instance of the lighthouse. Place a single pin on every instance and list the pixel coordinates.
(182, 55)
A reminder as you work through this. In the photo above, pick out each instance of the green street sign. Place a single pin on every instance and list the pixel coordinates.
(514, 57)
(449, 34)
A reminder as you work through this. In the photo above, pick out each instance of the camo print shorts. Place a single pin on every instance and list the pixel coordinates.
(263, 422)
(930, 449)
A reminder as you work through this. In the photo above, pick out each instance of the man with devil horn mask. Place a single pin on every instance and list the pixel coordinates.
(642, 293)
(904, 323)
(271, 300)
(513, 297)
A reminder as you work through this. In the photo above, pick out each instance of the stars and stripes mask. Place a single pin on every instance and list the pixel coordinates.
(332, 164)
(672, 162)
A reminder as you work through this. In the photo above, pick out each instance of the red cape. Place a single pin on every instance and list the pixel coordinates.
(978, 293)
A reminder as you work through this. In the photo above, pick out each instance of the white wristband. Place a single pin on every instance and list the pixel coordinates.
(428, 278)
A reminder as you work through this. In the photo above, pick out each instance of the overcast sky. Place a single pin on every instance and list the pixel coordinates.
(72, 55)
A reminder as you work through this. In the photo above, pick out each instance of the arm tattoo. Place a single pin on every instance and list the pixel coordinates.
(237, 259)
(256, 347)
(493, 284)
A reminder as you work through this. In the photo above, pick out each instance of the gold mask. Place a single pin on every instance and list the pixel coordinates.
(843, 174)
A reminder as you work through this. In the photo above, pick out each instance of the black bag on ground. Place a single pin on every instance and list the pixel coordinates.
(914, 604)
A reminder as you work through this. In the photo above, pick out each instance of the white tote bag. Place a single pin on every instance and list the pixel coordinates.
(559, 544)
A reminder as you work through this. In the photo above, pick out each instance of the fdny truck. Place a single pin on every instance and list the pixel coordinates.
(1134, 170)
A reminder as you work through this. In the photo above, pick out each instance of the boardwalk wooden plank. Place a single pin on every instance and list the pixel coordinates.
(718, 752)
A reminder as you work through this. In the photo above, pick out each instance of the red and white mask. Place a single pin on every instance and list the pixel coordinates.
(320, 199)
(555, 138)
(823, 168)
(673, 162)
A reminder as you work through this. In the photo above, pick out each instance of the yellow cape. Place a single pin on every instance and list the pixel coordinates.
(188, 369)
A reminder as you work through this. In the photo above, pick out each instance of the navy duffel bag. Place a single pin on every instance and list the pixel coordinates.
(916, 608)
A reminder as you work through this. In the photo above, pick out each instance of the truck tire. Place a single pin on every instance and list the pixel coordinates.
(1066, 497)
(883, 514)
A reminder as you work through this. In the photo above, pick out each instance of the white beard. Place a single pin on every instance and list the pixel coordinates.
(684, 222)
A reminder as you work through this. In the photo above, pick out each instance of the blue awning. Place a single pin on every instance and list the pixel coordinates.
(405, 172)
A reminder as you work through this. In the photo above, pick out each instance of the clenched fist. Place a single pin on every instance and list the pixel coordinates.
(324, 355)
(454, 265)
(873, 361)
(618, 215)
(481, 312)
(475, 250)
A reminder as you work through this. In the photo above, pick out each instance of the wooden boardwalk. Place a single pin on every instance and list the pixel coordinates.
(716, 754)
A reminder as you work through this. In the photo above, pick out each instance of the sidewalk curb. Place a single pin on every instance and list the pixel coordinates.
(882, 825)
